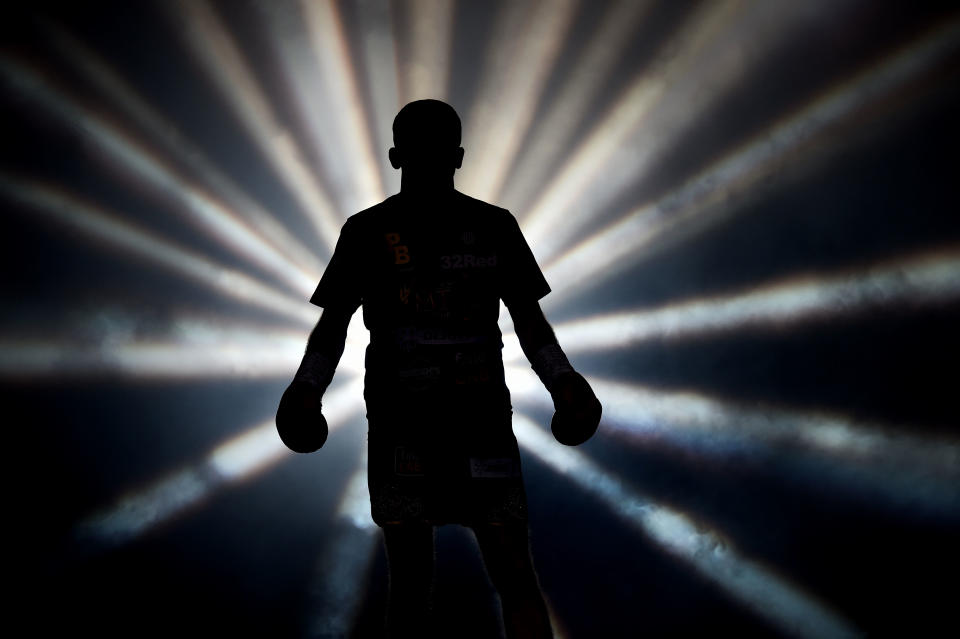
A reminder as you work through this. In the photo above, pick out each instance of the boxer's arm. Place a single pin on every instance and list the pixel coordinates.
(324, 349)
(300, 421)
(577, 408)
(539, 343)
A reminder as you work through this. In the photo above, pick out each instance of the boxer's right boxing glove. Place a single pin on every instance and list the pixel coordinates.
(577, 409)
(300, 422)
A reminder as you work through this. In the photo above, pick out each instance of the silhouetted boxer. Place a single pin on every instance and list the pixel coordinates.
(430, 267)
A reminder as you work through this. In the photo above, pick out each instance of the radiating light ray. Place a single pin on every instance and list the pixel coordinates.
(215, 50)
(380, 71)
(130, 158)
(930, 278)
(115, 232)
(337, 591)
(542, 221)
(425, 73)
(237, 459)
(191, 348)
(720, 190)
(721, 67)
(902, 468)
(758, 588)
(165, 133)
(325, 29)
(325, 101)
(523, 50)
(551, 135)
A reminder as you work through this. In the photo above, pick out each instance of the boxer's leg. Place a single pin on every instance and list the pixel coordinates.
(410, 553)
(506, 555)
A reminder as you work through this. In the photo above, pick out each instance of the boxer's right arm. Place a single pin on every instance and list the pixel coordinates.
(300, 422)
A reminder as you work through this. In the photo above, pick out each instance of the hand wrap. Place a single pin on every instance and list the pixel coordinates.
(317, 370)
(550, 363)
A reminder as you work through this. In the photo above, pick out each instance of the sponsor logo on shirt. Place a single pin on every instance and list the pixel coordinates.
(467, 260)
(401, 253)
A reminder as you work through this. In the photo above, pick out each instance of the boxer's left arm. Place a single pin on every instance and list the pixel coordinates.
(577, 408)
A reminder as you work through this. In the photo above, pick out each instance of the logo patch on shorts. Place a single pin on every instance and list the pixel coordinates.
(492, 467)
(407, 462)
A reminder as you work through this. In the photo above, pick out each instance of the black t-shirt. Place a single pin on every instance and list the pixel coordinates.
(430, 275)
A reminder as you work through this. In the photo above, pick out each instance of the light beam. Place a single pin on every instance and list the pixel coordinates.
(238, 459)
(819, 448)
(165, 133)
(215, 50)
(115, 232)
(541, 223)
(552, 134)
(425, 72)
(131, 159)
(761, 590)
(927, 279)
(523, 50)
(337, 591)
(720, 190)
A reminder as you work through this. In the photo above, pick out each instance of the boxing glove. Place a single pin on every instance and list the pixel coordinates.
(300, 422)
(577, 409)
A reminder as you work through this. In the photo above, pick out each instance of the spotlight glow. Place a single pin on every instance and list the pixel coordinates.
(342, 100)
(761, 590)
(337, 591)
(116, 233)
(192, 349)
(425, 71)
(542, 223)
(380, 72)
(218, 55)
(904, 469)
(714, 195)
(165, 133)
(129, 157)
(551, 135)
(526, 42)
(692, 85)
(238, 459)
(931, 278)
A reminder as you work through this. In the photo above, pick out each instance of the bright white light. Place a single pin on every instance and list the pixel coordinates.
(244, 455)
(548, 220)
(425, 71)
(218, 55)
(338, 588)
(192, 349)
(380, 71)
(768, 595)
(129, 157)
(165, 134)
(582, 82)
(694, 82)
(111, 229)
(260, 448)
(928, 279)
(905, 469)
(520, 55)
(712, 196)
(318, 78)
(342, 100)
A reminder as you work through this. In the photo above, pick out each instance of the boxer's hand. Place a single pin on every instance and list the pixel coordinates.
(300, 423)
(578, 411)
